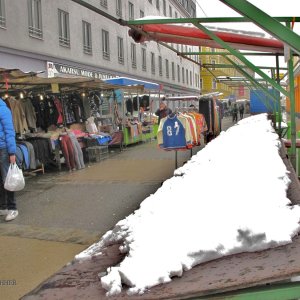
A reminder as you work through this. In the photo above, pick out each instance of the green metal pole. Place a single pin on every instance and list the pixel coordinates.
(279, 103)
(293, 115)
(292, 108)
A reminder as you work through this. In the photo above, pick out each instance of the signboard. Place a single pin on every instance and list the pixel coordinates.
(54, 88)
(241, 90)
(55, 69)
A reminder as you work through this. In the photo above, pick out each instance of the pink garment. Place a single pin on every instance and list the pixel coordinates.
(59, 108)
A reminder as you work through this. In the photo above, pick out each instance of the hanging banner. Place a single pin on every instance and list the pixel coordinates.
(54, 88)
(241, 90)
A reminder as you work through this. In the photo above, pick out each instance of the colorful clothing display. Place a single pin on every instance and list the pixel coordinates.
(181, 131)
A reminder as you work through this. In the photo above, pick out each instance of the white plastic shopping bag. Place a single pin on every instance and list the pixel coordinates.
(14, 179)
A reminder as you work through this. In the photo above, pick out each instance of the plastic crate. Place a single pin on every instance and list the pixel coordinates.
(97, 153)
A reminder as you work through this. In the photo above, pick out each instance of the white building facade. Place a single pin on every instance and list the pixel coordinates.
(78, 40)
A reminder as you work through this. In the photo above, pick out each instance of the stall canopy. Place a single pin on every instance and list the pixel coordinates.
(125, 81)
(15, 79)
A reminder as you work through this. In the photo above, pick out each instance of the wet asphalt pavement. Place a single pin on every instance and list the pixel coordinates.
(62, 213)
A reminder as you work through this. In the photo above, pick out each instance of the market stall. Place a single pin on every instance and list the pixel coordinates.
(69, 120)
(138, 121)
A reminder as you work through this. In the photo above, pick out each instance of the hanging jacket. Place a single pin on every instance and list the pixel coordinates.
(19, 119)
(29, 112)
(7, 132)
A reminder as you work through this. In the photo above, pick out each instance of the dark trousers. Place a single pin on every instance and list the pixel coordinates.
(7, 198)
(234, 117)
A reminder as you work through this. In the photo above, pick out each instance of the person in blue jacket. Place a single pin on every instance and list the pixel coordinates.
(8, 207)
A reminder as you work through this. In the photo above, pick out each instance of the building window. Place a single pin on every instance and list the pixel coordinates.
(176, 15)
(103, 3)
(173, 71)
(164, 8)
(160, 71)
(157, 4)
(178, 73)
(170, 11)
(87, 37)
(182, 71)
(133, 55)
(193, 12)
(142, 14)
(119, 8)
(167, 68)
(64, 28)
(153, 63)
(213, 62)
(2, 14)
(201, 83)
(131, 11)
(120, 50)
(187, 76)
(35, 18)
(191, 78)
(214, 84)
(144, 60)
(105, 44)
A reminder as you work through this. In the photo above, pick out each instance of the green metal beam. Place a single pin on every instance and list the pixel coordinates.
(203, 20)
(266, 22)
(242, 66)
(242, 59)
(253, 81)
(284, 291)
(227, 53)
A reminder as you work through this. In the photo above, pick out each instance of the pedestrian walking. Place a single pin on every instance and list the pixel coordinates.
(8, 207)
(241, 110)
(234, 112)
(163, 111)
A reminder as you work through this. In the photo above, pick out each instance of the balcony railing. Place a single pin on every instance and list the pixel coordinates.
(35, 32)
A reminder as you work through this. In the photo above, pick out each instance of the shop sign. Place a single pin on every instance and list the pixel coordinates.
(55, 69)
(241, 90)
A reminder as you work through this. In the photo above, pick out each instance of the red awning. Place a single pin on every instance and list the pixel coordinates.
(195, 37)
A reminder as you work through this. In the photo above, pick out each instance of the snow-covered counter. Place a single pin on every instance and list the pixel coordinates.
(228, 219)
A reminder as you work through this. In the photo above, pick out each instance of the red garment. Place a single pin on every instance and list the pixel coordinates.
(68, 151)
(59, 108)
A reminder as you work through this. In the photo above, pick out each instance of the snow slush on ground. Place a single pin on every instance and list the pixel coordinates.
(228, 198)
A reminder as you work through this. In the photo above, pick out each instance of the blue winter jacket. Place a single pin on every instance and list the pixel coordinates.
(7, 131)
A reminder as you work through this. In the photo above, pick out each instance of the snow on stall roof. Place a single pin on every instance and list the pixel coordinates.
(228, 198)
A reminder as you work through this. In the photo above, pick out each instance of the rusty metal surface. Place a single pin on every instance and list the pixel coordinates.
(80, 280)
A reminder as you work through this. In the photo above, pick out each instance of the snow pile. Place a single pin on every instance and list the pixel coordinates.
(229, 198)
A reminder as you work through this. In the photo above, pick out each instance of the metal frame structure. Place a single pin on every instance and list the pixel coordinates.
(273, 26)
